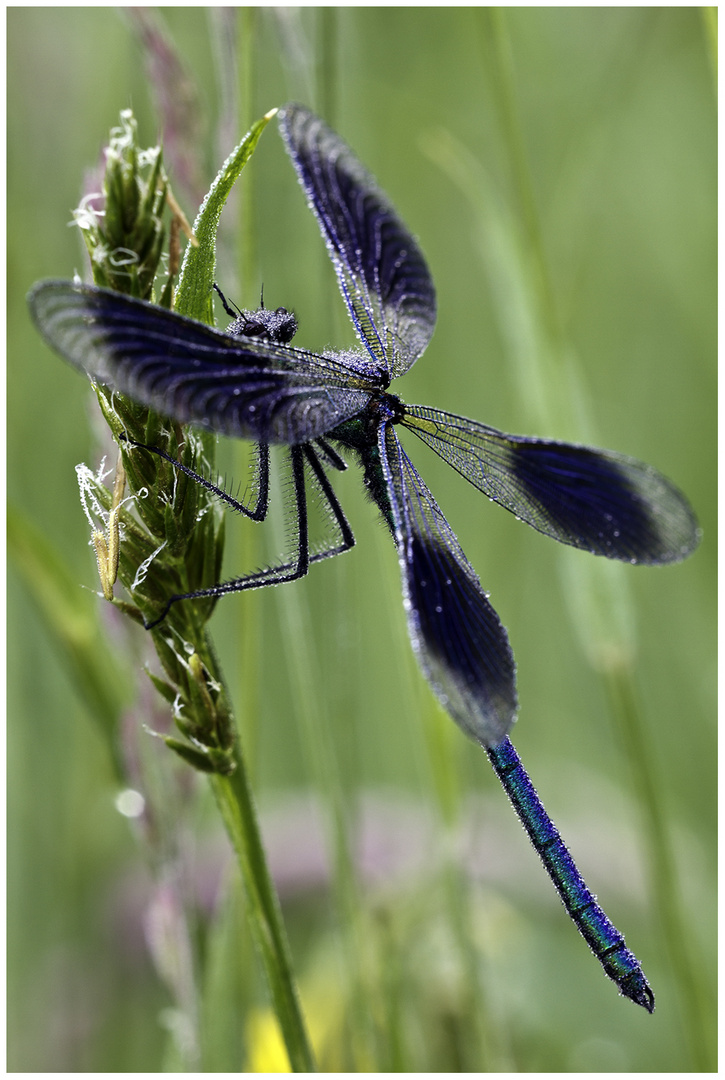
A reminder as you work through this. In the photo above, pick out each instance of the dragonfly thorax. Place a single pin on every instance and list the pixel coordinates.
(387, 408)
(360, 433)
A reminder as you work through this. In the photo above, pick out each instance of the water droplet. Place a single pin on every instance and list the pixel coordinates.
(130, 803)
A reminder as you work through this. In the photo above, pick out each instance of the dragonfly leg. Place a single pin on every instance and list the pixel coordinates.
(347, 539)
(272, 575)
(257, 513)
(225, 304)
(330, 455)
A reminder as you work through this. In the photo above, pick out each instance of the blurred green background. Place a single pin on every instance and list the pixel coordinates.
(454, 952)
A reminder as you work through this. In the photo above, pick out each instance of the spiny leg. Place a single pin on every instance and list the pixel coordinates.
(303, 457)
(273, 575)
(258, 513)
(225, 304)
(347, 539)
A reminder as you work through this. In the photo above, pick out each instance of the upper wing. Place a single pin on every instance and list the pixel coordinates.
(597, 500)
(458, 638)
(247, 389)
(382, 274)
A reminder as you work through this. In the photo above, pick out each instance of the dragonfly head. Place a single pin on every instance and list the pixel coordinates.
(278, 326)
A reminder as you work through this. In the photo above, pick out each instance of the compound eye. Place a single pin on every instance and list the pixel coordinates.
(253, 329)
(281, 311)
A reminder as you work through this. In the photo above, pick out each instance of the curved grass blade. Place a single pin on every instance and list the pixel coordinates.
(196, 277)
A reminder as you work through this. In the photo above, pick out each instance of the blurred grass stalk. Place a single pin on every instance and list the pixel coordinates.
(312, 694)
(338, 802)
(709, 22)
(551, 385)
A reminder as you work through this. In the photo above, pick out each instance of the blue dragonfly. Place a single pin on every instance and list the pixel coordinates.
(250, 382)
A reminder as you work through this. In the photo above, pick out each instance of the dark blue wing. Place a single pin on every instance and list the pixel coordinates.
(597, 500)
(382, 274)
(458, 638)
(254, 389)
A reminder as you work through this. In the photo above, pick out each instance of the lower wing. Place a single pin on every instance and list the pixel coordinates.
(457, 636)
